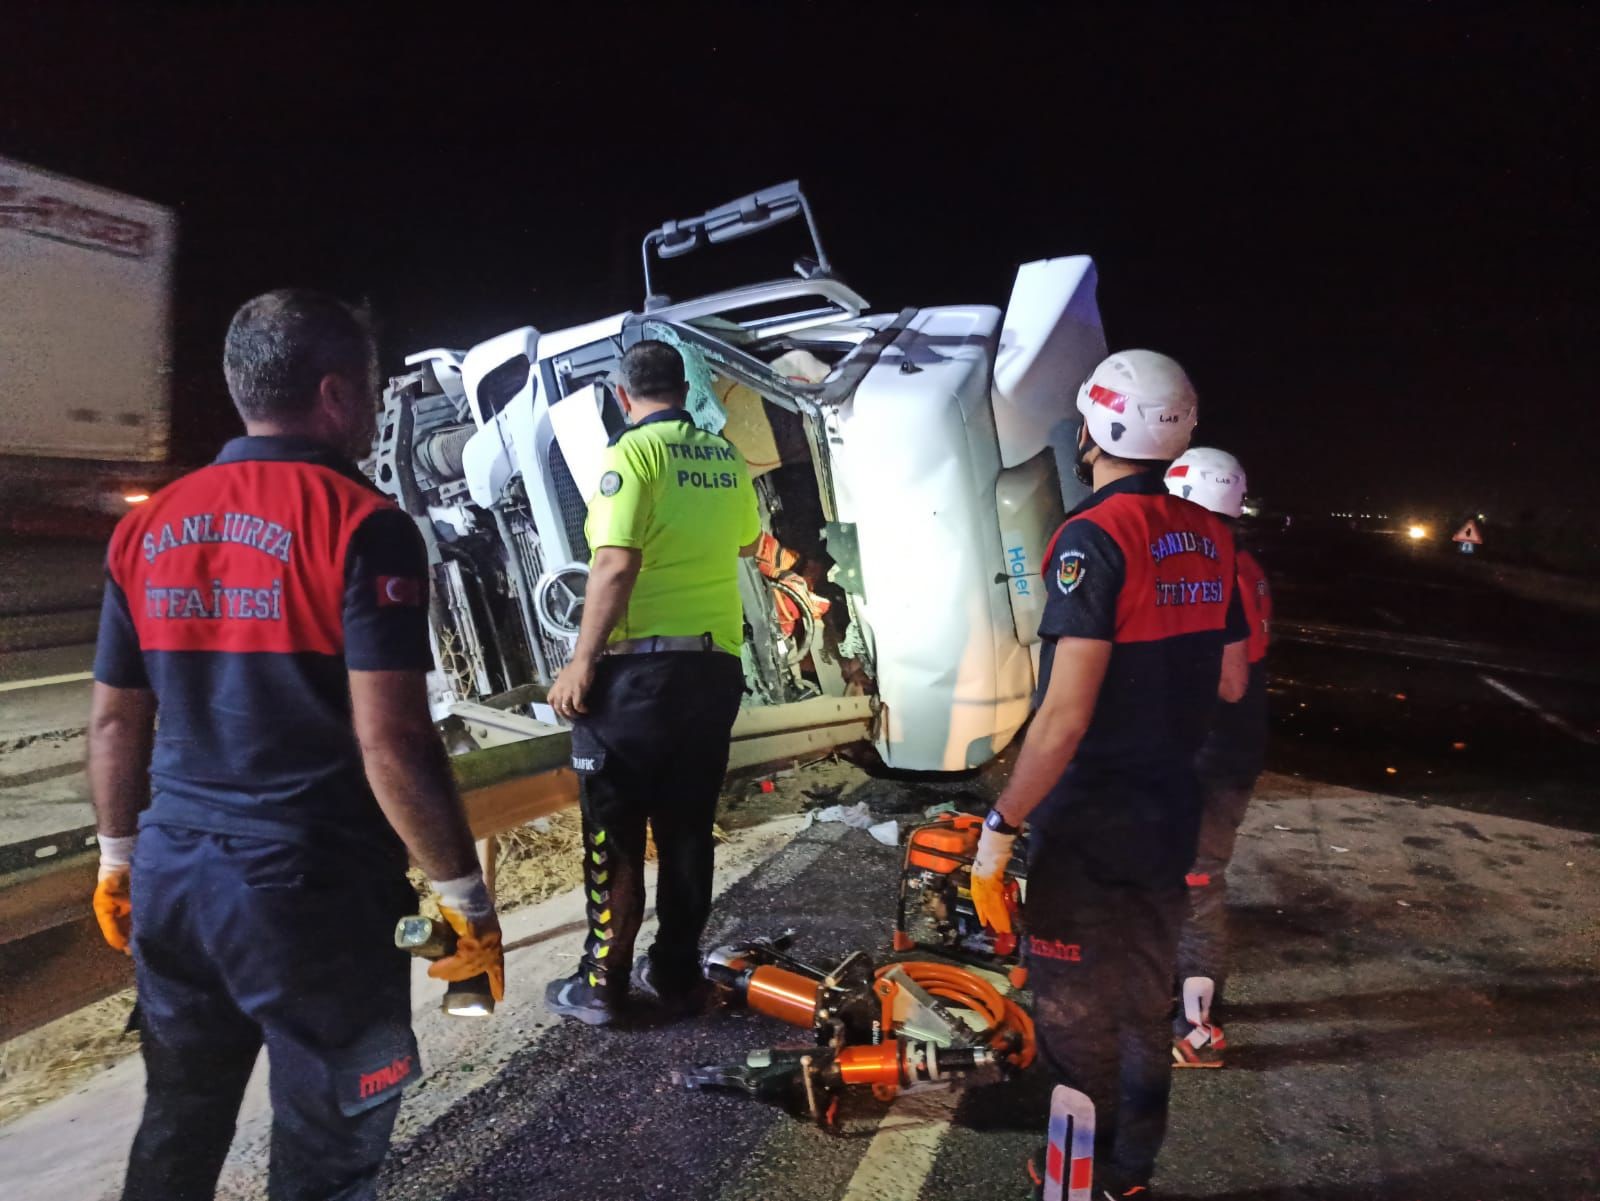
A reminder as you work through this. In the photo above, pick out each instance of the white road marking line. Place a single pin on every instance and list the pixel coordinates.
(901, 1154)
(72, 677)
(1543, 714)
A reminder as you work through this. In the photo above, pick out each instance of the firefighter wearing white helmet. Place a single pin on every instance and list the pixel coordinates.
(1136, 405)
(1208, 477)
(1228, 764)
(1141, 604)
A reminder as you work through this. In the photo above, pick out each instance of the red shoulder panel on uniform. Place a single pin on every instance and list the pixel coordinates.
(1256, 597)
(242, 557)
(1178, 565)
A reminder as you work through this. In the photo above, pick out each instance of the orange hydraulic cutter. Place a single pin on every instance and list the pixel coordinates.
(885, 1028)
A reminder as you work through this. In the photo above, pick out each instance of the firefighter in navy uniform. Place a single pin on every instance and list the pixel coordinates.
(271, 610)
(1233, 755)
(653, 686)
(1141, 622)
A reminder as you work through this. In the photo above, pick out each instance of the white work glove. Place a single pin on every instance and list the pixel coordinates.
(989, 879)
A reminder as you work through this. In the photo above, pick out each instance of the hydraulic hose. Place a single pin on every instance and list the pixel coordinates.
(1010, 1029)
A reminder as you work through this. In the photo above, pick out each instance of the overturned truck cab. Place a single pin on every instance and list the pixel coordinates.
(910, 468)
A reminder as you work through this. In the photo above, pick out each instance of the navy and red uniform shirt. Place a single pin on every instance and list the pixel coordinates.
(241, 595)
(1154, 576)
(1236, 749)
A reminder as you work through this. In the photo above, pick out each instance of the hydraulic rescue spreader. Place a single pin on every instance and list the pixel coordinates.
(911, 1023)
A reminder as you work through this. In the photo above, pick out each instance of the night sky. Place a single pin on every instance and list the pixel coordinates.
(1368, 231)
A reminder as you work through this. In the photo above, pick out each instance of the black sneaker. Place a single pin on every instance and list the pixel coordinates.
(676, 1002)
(575, 997)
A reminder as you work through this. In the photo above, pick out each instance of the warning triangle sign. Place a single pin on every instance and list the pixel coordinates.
(1469, 533)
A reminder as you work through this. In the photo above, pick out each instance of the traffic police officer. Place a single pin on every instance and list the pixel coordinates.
(654, 685)
(1141, 604)
(1229, 762)
(271, 610)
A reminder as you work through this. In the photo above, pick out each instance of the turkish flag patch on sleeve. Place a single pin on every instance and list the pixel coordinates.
(401, 590)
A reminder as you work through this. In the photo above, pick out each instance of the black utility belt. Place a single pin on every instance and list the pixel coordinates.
(659, 643)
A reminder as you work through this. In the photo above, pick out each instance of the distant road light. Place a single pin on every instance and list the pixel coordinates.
(1417, 532)
(136, 498)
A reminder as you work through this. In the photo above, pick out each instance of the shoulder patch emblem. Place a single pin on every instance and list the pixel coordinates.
(610, 484)
(401, 590)
(1070, 570)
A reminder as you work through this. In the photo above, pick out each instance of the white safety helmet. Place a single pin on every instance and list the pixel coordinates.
(1139, 405)
(1211, 478)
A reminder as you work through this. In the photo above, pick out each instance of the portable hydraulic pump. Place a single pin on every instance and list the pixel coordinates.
(936, 913)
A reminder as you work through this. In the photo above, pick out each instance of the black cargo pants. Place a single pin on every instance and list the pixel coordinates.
(1100, 962)
(1203, 947)
(653, 748)
(240, 942)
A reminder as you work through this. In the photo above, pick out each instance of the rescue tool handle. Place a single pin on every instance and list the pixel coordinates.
(429, 938)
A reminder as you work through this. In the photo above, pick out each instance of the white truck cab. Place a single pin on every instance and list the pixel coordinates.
(911, 465)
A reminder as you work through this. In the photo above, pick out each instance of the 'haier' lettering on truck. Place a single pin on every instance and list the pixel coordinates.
(1017, 560)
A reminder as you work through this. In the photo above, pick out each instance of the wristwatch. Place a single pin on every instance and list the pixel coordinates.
(999, 824)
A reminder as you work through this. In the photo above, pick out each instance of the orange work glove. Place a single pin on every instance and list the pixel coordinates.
(478, 952)
(989, 880)
(113, 906)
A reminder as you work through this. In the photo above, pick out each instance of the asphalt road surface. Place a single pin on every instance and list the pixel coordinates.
(1415, 1018)
(49, 607)
(1414, 1015)
(1408, 671)
(49, 592)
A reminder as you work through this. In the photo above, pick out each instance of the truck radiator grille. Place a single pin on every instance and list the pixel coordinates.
(570, 501)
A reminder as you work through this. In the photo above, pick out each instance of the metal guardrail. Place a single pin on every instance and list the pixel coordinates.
(53, 960)
(35, 852)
